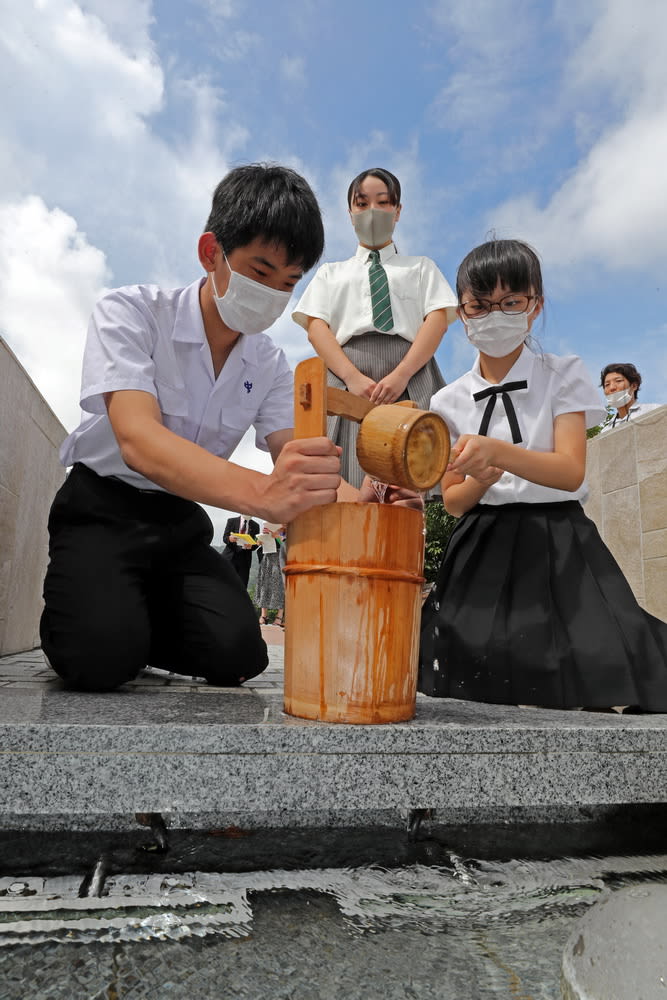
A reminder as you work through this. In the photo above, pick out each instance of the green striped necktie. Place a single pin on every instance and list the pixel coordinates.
(382, 317)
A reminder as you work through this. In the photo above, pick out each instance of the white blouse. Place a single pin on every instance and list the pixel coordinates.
(340, 294)
(554, 385)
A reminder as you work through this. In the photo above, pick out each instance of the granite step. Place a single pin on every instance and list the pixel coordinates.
(177, 746)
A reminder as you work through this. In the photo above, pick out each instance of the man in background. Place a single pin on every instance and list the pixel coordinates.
(237, 551)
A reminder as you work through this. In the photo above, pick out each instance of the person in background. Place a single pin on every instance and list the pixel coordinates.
(376, 319)
(529, 607)
(620, 383)
(237, 551)
(270, 591)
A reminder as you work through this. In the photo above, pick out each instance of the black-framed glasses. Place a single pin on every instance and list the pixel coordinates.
(510, 304)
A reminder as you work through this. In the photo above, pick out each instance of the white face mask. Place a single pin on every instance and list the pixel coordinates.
(249, 306)
(373, 226)
(497, 334)
(619, 398)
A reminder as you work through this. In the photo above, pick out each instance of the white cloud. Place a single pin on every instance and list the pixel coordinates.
(50, 277)
(127, 22)
(64, 61)
(80, 128)
(293, 69)
(489, 44)
(622, 50)
(82, 168)
(611, 209)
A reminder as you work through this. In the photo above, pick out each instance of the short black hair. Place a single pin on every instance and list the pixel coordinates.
(513, 263)
(626, 370)
(273, 203)
(392, 182)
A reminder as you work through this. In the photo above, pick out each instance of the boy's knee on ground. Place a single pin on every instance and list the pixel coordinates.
(234, 662)
(90, 663)
(92, 673)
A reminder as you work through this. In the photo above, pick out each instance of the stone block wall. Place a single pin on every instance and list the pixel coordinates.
(30, 473)
(627, 476)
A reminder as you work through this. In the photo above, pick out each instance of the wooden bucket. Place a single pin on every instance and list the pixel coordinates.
(353, 605)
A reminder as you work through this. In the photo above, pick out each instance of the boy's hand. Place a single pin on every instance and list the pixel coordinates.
(306, 474)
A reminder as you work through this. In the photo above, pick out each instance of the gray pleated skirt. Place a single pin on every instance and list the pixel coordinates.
(375, 355)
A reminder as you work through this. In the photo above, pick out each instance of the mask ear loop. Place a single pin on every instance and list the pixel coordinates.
(213, 276)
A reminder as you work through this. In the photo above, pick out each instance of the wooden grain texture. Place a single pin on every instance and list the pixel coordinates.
(409, 449)
(310, 393)
(341, 403)
(353, 605)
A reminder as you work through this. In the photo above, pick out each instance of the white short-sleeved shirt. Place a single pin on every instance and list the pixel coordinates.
(637, 410)
(143, 337)
(555, 385)
(340, 294)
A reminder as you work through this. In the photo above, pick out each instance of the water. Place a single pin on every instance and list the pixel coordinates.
(380, 489)
(427, 920)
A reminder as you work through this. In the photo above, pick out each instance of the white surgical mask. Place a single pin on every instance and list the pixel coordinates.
(374, 226)
(619, 398)
(248, 305)
(497, 334)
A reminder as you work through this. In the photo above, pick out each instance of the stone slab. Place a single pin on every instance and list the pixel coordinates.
(175, 745)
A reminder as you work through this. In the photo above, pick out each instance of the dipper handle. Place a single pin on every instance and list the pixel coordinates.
(310, 399)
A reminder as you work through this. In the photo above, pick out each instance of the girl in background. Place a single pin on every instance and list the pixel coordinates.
(270, 593)
(529, 607)
(376, 319)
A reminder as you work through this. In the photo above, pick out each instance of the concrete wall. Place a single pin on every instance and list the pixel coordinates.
(627, 475)
(30, 473)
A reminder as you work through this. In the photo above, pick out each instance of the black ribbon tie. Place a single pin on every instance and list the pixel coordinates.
(492, 394)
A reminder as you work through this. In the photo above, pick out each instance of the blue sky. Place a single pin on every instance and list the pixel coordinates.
(542, 119)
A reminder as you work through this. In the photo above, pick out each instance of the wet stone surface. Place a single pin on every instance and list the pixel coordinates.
(467, 913)
(301, 948)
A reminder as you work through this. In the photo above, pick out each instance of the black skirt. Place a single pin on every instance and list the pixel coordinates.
(530, 607)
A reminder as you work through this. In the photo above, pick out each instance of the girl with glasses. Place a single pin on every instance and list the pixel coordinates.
(529, 607)
(376, 319)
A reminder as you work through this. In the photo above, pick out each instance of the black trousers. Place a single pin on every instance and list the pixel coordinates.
(133, 580)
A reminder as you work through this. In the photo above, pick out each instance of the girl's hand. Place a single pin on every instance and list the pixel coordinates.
(488, 478)
(401, 497)
(474, 456)
(389, 388)
(360, 385)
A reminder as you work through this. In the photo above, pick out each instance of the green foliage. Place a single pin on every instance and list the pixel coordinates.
(439, 526)
(594, 431)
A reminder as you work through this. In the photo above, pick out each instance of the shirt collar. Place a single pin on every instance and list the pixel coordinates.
(385, 253)
(189, 326)
(189, 322)
(521, 369)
